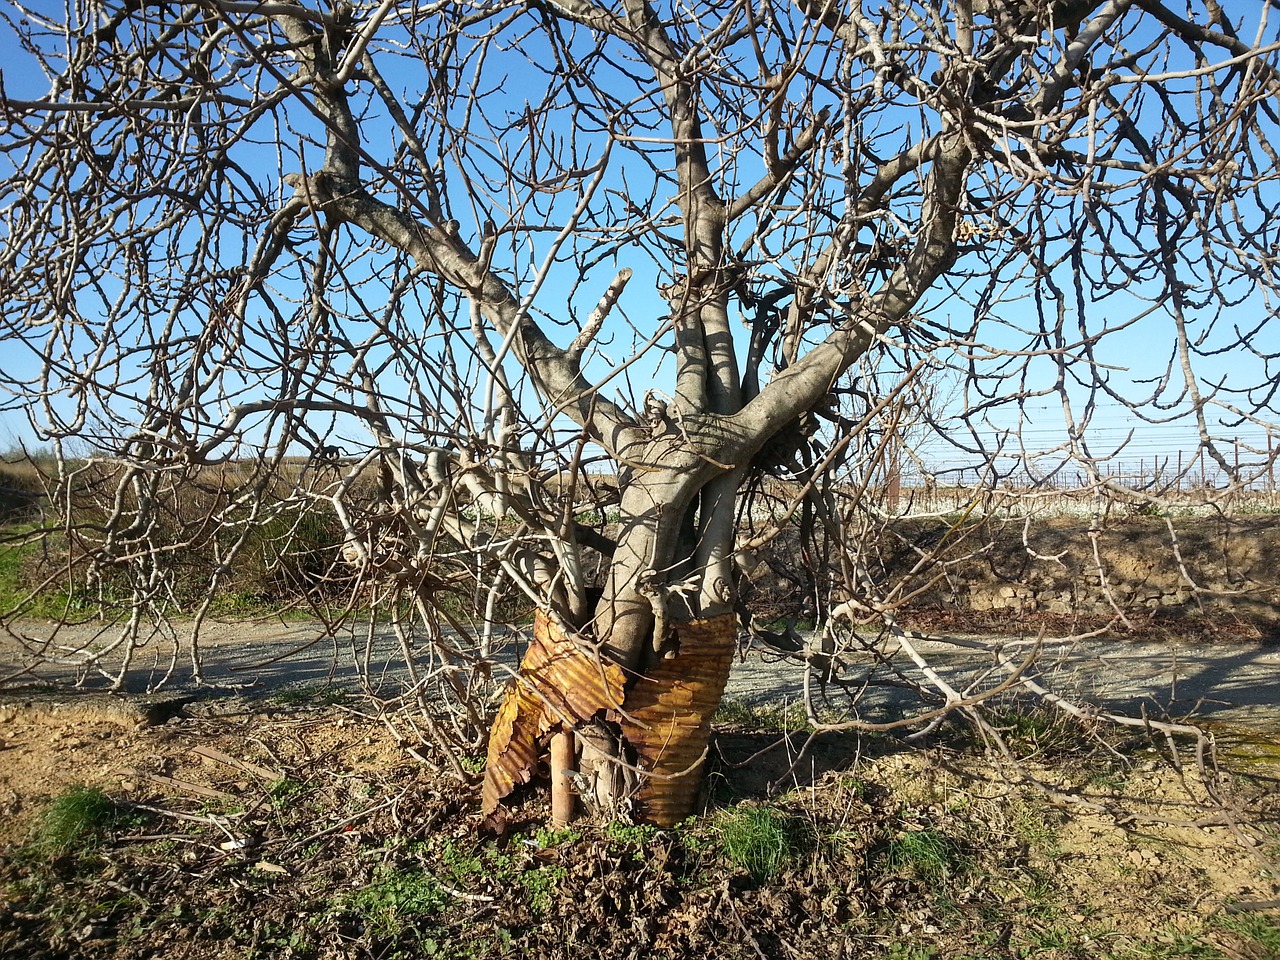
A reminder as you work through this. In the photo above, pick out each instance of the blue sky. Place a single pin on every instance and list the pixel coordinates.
(1134, 355)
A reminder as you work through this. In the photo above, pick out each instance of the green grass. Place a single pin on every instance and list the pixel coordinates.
(774, 719)
(74, 821)
(1109, 779)
(1262, 929)
(1168, 943)
(311, 695)
(1038, 730)
(760, 840)
(12, 564)
(1031, 824)
(925, 852)
(287, 553)
(1060, 937)
(1041, 894)
(21, 549)
(596, 518)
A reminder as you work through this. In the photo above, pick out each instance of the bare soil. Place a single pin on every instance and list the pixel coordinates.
(263, 829)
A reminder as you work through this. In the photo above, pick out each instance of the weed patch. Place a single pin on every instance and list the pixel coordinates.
(760, 840)
(1258, 932)
(311, 695)
(630, 834)
(394, 898)
(74, 821)
(924, 852)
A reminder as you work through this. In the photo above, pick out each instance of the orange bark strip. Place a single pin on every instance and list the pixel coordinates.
(513, 744)
(574, 682)
(668, 720)
(559, 681)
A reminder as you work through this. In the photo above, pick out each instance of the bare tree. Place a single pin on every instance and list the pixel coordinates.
(570, 284)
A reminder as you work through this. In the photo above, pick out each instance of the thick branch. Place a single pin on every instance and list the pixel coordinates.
(439, 250)
(802, 385)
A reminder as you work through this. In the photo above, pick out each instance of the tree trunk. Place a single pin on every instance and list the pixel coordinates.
(665, 625)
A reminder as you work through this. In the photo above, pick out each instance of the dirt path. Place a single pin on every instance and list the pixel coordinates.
(1230, 681)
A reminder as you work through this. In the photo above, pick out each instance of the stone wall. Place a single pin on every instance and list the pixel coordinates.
(1141, 565)
(1146, 567)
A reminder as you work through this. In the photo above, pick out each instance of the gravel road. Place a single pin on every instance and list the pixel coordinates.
(1237, 682)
